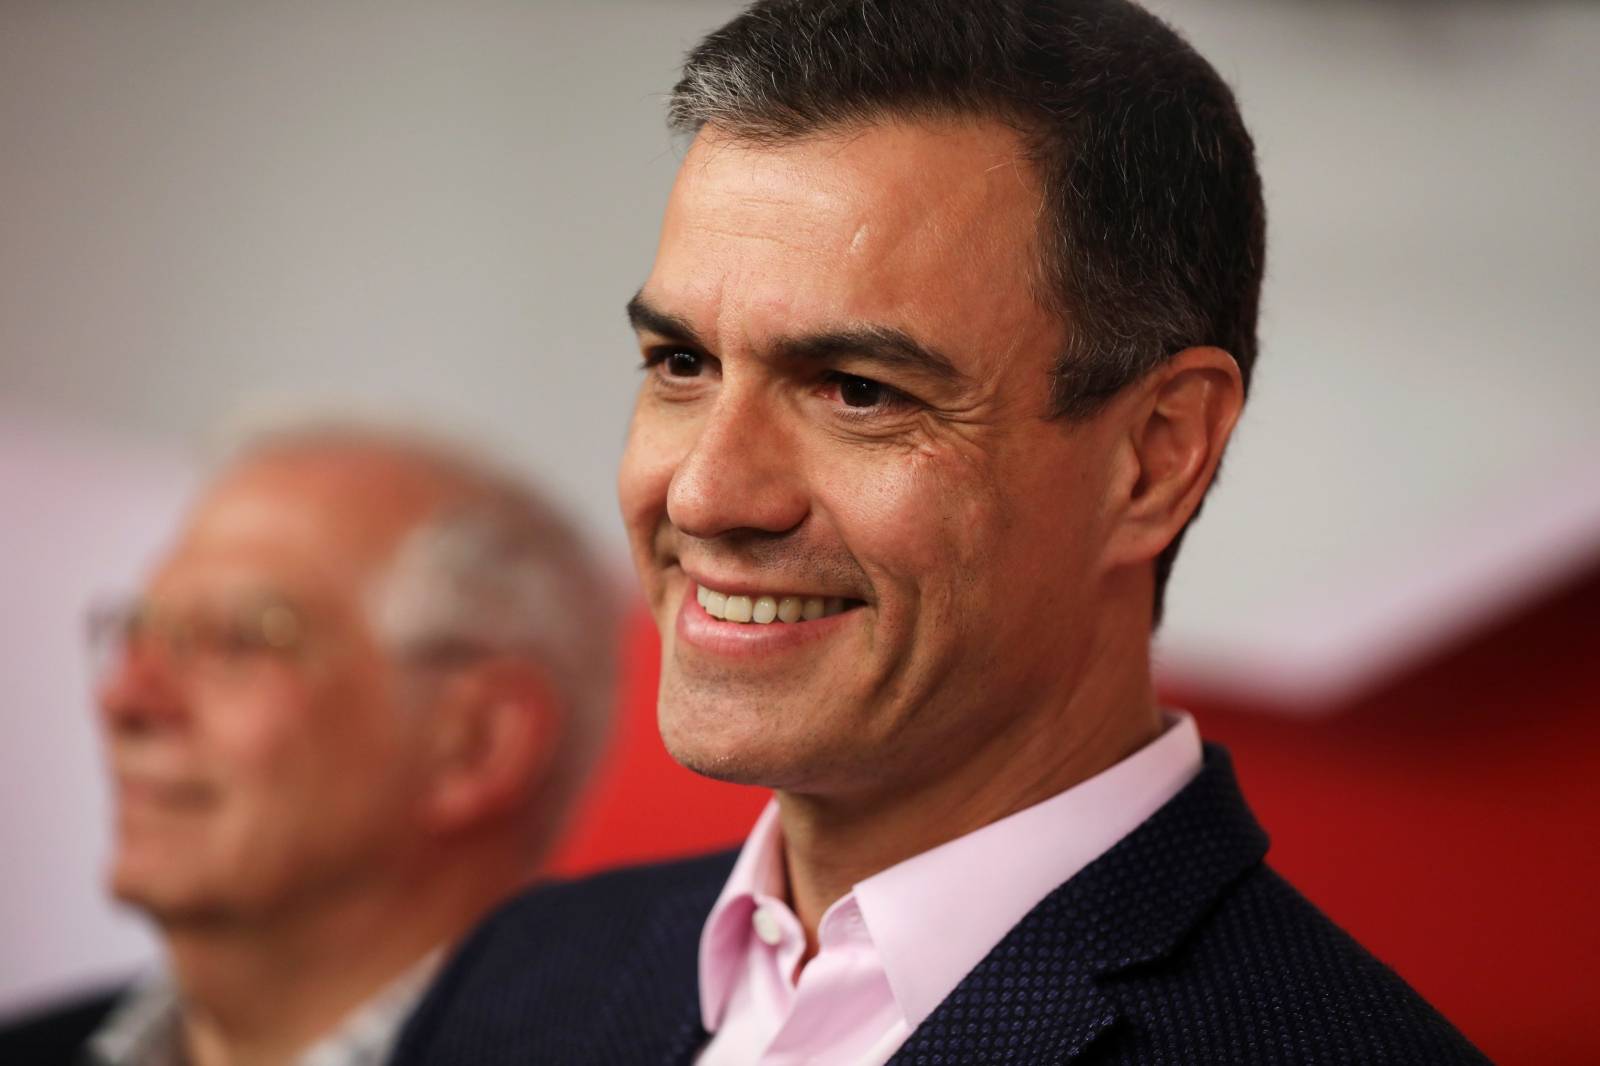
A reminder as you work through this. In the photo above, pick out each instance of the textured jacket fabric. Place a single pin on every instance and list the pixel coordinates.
(1179, 945)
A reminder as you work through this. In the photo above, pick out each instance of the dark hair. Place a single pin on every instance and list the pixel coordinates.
(1154, 233)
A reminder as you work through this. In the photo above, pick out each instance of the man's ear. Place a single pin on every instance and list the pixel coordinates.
(497, 729)
(1181, 416)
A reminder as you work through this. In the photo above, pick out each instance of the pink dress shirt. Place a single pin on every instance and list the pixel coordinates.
(899, 942)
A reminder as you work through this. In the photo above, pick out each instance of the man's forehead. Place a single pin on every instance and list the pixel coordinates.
(927, 229)
(887, 177)
(304, 512)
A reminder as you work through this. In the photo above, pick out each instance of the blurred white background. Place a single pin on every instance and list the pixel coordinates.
(208, 210)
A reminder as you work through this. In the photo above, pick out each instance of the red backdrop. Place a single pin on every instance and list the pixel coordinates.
(1449, 821)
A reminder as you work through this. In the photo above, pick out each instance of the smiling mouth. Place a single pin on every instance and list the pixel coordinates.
(178, 795)
(777, 609)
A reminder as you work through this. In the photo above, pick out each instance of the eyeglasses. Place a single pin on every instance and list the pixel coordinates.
(224, 641)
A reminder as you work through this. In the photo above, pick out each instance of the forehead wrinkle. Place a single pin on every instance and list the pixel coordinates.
(762, 238)
(733, 189)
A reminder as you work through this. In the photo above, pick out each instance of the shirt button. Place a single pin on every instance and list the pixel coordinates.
(767, 927)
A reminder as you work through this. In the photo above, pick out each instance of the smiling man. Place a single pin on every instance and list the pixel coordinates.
(951, 320)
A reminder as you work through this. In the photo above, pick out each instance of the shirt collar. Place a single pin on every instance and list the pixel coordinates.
(758, 876)
(144, 1029)
(972, 890)
(368, 1034)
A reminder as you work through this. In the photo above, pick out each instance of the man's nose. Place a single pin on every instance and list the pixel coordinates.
(740, 473)
(140, 691)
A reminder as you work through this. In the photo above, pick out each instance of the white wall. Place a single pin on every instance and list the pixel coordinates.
(441, 208)
(1420, 448)
(84, 510)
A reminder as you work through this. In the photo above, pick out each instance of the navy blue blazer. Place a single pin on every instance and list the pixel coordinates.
(1179, 945)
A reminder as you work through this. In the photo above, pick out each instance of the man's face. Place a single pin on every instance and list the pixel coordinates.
(250, 773)
(846, 399)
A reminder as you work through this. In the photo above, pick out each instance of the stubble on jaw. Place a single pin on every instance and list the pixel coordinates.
(719, 725)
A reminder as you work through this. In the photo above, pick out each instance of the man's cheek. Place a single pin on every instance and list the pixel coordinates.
(641, 484)
(649, 457)
(927, 515)
(255, 761)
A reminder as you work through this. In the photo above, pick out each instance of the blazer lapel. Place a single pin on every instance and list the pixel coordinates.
(1040, 994)
(1031, 1000)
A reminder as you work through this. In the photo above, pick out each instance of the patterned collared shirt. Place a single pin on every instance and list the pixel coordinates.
(145, 1029)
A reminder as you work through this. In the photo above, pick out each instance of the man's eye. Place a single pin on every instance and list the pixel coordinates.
(862, 392)
(675, 362)
(238, 640)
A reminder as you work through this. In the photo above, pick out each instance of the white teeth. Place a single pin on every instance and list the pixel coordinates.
(764, 610)
(738, 609)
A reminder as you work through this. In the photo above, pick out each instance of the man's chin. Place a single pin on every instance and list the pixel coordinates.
(750, 735)
(696, 746)
(729, 768)
(167, 897)
(739, 758)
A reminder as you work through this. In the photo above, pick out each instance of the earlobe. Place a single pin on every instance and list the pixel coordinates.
(1184, 416)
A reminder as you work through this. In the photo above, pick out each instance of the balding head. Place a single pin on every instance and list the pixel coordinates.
(438, 675)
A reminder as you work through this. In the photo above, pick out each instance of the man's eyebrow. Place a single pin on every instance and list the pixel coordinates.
(643, 317)
(885, 345)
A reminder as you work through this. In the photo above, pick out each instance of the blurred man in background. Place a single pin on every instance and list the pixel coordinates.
(348, 715)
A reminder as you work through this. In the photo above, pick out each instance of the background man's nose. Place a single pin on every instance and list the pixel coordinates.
(140, 690)
(740, 473)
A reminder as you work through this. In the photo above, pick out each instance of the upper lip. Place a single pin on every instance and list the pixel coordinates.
(771, 586)
(165, 791)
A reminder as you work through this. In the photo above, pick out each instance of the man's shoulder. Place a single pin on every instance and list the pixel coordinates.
(568, 966)
(689, 877)
(56, 1033)
(1180, 944)
(600, 913)
(1267, 976)
(1218, 952)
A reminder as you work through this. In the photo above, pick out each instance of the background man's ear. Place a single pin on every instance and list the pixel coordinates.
(1183, 414)
(497, 731)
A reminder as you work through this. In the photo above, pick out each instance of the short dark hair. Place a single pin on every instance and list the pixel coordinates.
(1153, 238)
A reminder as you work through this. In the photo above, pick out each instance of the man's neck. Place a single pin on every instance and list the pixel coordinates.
(264, 992)
(832, 843)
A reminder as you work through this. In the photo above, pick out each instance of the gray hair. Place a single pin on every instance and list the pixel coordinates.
(503, 574)
(498, 571)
